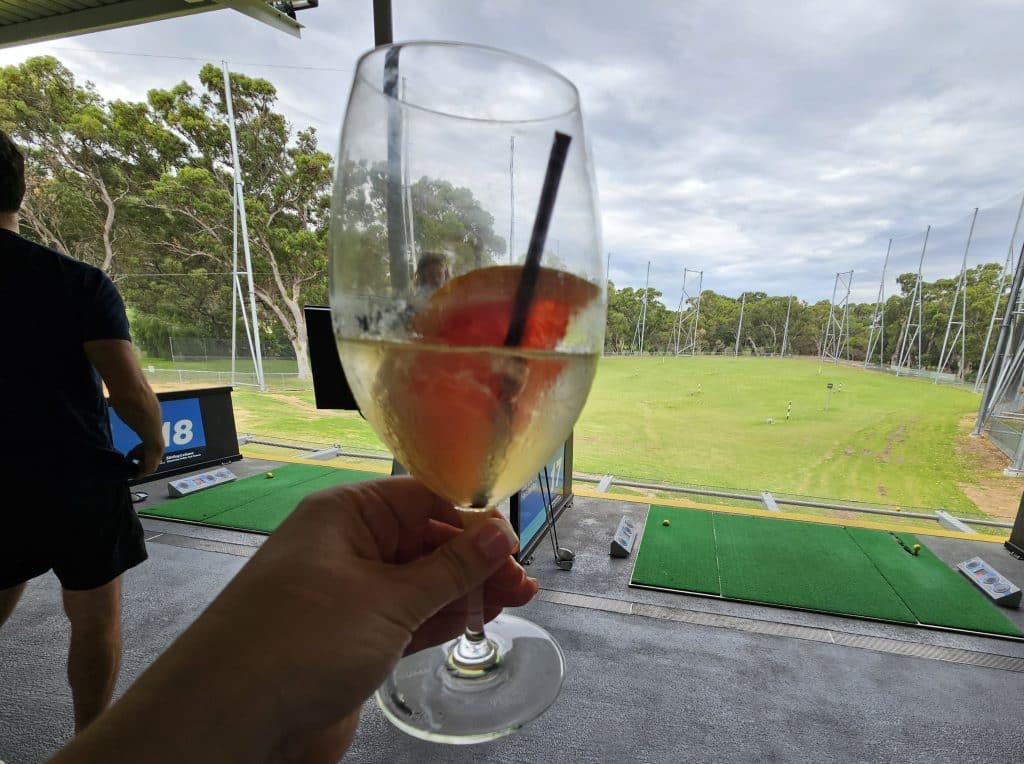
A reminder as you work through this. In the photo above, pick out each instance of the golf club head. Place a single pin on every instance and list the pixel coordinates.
(563, 564)
(565, 555)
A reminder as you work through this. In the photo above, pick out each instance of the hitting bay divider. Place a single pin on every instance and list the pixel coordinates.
(256, 503)
(809, 566)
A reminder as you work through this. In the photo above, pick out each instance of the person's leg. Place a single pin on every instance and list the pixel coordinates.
(8, 600)
(94, 656)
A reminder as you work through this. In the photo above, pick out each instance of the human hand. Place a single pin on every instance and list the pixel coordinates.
(147, 457)
(279, 665)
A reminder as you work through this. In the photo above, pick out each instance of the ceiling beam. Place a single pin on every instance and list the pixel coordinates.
(261, 11)
(130, 12)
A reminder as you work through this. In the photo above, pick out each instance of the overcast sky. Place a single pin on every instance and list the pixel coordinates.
(769, 145)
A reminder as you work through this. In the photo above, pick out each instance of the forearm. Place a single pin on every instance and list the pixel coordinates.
(140, 410)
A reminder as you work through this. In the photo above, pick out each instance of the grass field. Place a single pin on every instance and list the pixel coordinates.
(704, 421)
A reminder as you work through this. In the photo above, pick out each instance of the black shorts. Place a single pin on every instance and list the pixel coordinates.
(88, 536)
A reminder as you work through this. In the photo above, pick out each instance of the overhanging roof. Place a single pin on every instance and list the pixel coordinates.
(23, 21)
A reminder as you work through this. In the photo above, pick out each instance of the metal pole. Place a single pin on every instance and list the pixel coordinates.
(1007, 266)
(826, 341)
(696, 315)
(257, 351)
(846, 316)
(785, 329)
(739, 326)
(382, 33)
(393, 202)
(407, 208)
(237, 288)
(921, 301)
(878, 318)
(790, 502)
(998, 366)
(961, 288)
(234, 280)
(511, 197)
(906, 341)
(678, 328)
(643, 310)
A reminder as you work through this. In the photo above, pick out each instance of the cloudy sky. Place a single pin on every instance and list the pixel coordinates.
(769, 145)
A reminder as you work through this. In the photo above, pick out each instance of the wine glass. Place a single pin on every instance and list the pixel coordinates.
(468, 299)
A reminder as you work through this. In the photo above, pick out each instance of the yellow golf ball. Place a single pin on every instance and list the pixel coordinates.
(665, 522)
(270, 474)
(916, 548)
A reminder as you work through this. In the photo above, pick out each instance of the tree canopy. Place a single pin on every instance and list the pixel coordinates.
(144, 190)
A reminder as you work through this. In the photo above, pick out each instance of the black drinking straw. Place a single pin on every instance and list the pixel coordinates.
(531, 269)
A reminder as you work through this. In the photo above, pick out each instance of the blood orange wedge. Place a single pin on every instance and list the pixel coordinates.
(460, 402)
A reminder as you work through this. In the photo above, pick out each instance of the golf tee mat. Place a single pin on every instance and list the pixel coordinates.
(258, 503)
(810, 566)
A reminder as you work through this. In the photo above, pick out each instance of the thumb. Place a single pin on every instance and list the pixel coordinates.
(460, 565)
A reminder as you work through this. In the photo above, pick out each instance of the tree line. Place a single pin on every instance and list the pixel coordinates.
(764, 325)
(144, 190)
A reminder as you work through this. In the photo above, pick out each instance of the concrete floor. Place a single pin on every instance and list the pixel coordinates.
(652, 676)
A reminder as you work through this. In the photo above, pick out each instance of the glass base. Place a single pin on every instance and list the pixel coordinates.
(430, 699)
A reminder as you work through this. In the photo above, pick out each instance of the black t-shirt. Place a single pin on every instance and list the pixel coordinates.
(51, 398)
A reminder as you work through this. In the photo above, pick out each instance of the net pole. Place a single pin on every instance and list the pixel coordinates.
(257, 354)
(997, 375)
(739, 326)
(785, 328)
(878, 318)
(960, 295)
(1007, 268)
(696, 315)
(234, 283)
(643, 311)
(512, 198)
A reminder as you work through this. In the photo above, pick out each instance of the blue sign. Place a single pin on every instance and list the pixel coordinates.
(184, 435)
(531, 498)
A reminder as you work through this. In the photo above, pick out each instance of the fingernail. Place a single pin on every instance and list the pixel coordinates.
(495, 540)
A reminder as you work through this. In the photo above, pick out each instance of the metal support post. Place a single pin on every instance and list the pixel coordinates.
(257, 352)
(877, 334)
(959, 298)
(911, 331)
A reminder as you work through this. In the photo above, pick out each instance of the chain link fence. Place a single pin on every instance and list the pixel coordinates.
(208, 361)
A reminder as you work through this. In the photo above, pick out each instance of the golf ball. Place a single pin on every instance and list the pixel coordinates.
(916, 548)
(665, 522)
(270, 474)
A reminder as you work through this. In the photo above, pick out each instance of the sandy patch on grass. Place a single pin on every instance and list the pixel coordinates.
(994, 494)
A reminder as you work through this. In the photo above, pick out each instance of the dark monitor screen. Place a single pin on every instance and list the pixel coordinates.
(330, 387)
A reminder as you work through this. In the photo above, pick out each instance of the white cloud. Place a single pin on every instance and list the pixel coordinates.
(769, 145)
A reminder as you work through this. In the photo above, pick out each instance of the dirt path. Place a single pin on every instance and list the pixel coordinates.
(897, 436)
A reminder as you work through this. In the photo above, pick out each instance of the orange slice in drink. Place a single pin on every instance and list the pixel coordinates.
(457, 411)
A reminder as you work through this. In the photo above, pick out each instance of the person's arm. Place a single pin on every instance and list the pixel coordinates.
(279, 665)
(131, 396)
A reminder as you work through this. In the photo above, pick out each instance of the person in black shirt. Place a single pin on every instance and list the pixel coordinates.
(67, 334)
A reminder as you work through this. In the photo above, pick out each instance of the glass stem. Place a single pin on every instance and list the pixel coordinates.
(473, 654)
(475, 615)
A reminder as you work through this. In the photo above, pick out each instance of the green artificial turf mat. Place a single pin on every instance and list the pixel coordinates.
(802, 565)
(680, 555)
(289, 484)
(267, 512)
(810, 566)
(936, 594)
